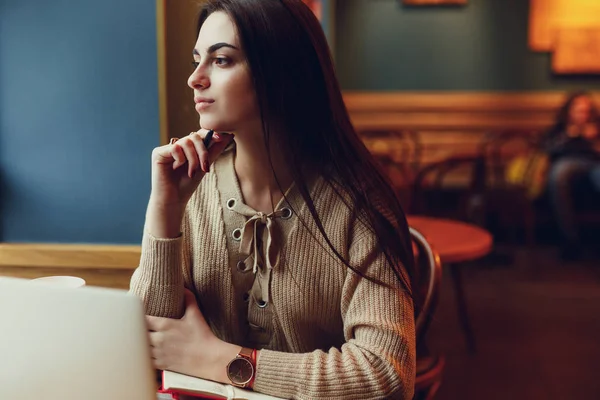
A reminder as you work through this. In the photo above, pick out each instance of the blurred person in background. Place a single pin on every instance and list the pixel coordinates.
(572, 146)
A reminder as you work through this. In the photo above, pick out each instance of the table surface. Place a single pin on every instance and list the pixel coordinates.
(455, 241)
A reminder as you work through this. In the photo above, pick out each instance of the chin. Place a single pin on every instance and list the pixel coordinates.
(216, 124)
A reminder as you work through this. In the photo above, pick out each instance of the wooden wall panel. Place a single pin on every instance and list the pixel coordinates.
(451, 122)
(176, 36)
(99, 265)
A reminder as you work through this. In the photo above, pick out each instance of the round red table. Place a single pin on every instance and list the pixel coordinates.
(455, 242)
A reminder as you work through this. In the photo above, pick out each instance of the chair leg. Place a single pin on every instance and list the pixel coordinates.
(461, 305)
(530, 225)
(429, 393)
(433, 390)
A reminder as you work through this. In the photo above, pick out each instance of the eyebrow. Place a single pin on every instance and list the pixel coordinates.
(215, 47)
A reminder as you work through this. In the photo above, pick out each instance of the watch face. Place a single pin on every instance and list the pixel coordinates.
(240, 371)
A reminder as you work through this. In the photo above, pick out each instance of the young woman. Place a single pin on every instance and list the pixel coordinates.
(278, 259)
(572, 146)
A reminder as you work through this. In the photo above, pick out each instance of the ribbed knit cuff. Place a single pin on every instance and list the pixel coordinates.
(273, 375)
(160, 261)
(158, 281)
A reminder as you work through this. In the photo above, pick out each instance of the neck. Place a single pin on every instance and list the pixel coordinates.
(255, 174)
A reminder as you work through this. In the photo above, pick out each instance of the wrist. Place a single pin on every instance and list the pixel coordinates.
(223, 354)
(164, 220)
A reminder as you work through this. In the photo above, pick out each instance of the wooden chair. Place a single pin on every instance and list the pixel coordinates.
(429, 367)
(498, 148)
(434, 196)
(399, 155)
(430, 198)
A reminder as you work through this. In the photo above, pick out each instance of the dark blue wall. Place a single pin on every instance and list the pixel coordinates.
(382, 45)
(78, 119)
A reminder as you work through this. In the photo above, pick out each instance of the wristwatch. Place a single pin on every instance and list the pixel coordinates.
(242, 368)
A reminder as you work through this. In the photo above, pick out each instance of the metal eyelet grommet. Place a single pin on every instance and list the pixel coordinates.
(261, 303)
(231, 203)
(237, 234)
(241, 266)
(287, 213)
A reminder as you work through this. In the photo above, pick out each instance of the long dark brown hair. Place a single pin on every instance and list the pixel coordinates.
(562, 116)
(304, 115)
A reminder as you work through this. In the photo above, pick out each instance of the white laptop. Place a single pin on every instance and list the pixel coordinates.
(60, 343)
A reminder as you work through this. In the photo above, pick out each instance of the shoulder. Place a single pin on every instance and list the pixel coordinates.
(339, 211)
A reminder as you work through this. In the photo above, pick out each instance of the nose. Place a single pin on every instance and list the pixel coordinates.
(199, 78)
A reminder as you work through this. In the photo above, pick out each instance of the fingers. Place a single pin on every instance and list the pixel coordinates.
(192, 150)
(157, 355)
(192, 153)
(156, 339)
(157, 324)
(197, 140)
(157, 343)
(219, 143)
(216, 143)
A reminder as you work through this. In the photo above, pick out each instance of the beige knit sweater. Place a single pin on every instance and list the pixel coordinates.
(325, 332)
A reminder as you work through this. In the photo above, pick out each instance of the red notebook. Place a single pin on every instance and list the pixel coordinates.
(181, 386)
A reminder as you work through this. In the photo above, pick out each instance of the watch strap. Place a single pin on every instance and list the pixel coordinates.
(246, 353)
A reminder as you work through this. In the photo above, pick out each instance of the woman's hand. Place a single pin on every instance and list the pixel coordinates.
(590, 131)
(177, 169)
(188, 346)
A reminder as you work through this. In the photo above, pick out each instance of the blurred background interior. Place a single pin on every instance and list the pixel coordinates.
(462, 102)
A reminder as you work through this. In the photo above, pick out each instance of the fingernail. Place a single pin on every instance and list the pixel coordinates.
(216, 136)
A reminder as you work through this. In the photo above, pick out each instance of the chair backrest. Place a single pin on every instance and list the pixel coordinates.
(430, 278)
(497, 147)
(430, 189)
(398, 153)
(405, 148)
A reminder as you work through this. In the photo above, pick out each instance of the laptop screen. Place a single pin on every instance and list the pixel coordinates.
(63, 343)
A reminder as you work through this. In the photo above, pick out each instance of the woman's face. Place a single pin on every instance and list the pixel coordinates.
(222, 84)
(580, 111)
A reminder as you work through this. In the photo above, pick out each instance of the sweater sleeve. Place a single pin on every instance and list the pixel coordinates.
(165, 266)
(158, 280)
(378, 358)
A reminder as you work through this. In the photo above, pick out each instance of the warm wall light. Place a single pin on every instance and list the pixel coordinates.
(577, 51)
(548, 16)
(571, 30)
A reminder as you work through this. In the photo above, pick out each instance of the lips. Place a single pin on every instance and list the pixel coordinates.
(202, 103)
(199, 100)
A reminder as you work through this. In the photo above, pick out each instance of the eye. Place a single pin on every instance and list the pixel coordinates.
(195, 64)
(222, 61)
